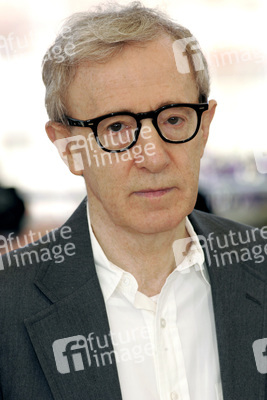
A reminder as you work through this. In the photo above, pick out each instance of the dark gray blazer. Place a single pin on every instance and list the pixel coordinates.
(47, 301)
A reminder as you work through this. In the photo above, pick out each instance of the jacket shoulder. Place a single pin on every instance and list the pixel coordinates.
(227, 242)
(205, 221)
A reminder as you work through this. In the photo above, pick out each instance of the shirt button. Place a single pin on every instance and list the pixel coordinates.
(126, 281)
(163, 322)
(174, 396)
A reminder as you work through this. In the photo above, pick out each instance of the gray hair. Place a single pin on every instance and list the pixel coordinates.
(97, 36)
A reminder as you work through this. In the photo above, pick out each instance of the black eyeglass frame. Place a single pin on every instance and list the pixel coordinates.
(93, 123)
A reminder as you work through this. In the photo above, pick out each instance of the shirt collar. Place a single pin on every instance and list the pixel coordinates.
(194, 254)
(112, 277)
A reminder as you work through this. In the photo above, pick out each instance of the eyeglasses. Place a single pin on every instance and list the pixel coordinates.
(119, 131)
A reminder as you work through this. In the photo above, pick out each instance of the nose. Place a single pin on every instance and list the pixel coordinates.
(154, 149)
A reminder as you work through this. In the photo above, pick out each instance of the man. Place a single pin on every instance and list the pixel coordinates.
(137, 309)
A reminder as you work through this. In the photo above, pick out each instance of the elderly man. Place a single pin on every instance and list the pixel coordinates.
(143, 305)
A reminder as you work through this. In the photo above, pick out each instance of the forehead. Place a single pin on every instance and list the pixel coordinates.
(139, 78)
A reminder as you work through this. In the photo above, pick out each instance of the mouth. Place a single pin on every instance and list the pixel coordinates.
(153, 193)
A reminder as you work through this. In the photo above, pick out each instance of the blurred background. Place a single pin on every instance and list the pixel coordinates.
(232, 34)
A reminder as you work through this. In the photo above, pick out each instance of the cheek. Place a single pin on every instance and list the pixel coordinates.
(187, 161)
(188, 165)
(106, 176)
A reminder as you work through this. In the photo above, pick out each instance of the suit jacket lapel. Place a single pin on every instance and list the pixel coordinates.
(238, 292)
(71, 337)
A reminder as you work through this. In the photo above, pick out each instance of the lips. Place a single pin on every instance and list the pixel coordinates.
(154, 192)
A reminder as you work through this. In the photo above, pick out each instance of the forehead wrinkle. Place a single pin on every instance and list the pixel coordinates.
(136, 107)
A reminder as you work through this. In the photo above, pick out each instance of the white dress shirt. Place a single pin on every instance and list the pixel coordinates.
(165, 346)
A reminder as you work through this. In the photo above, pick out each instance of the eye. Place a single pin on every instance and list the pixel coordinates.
(116, 127)
(175, 120)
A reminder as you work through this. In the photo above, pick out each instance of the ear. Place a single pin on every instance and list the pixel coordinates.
(207, 117)
(61, 137)
(56, 131)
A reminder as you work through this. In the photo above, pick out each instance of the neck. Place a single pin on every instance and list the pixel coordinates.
(148, 257)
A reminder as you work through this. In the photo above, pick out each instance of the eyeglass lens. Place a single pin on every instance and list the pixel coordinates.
(175, 124)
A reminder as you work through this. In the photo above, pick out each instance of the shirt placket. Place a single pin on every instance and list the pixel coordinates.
(169, 358)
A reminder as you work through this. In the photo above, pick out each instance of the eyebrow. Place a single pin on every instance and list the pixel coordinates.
(166, 103)
(161, 104)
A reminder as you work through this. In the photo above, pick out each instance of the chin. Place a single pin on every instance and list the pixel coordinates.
(158, 223)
